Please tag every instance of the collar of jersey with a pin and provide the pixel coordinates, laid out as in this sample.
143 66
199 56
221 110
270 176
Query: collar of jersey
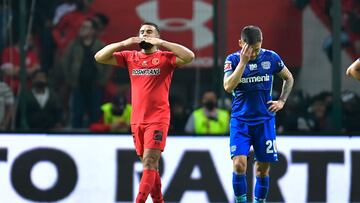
142 55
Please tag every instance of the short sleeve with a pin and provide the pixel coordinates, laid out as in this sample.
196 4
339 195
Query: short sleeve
173 61
171 57
279 64
228 64
121 58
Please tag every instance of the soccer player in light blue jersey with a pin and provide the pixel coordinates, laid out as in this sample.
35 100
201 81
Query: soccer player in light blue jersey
249 77
354 70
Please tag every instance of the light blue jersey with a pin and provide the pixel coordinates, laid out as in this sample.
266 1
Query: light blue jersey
251 95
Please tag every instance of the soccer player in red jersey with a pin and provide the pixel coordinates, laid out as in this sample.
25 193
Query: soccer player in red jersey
150 72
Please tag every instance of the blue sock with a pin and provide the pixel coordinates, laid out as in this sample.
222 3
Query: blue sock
240 187
261 189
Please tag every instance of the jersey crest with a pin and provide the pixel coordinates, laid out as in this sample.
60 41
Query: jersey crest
266 65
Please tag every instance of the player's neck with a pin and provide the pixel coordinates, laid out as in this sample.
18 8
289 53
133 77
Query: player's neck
149 51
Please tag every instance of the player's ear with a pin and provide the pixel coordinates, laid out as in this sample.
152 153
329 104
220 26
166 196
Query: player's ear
241 43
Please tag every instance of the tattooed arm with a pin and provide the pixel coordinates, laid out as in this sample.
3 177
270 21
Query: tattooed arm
288 83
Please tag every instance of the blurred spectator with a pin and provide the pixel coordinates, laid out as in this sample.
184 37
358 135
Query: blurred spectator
6 105
115 117
351 112
294 119
85 78
327 97
178 115
43 109
64 7
350 34
328 43
11 63
351 10
42 27
118 83
208 119
319 116
102 21
350 21
301 4
5 19
68 27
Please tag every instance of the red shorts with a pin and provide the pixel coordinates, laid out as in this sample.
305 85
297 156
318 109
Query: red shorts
149 136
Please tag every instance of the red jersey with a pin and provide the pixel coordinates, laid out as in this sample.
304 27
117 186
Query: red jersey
11 55
150 76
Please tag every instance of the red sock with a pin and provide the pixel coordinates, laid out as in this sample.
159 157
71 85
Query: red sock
155 192
146 184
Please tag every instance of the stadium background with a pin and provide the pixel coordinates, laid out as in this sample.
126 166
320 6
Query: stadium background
316 165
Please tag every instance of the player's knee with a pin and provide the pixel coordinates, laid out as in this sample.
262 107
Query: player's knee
150 162
239 167
262 169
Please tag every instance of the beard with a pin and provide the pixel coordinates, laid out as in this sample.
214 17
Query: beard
145 45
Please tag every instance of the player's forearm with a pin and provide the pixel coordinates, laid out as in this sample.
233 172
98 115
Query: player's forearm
106 53
231 81
355 74
180 51
286 88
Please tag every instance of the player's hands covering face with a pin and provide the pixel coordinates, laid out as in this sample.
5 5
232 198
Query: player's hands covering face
245 53
275 106
132 40
153 40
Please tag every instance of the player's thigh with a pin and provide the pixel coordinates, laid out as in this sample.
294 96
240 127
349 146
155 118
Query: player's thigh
240 140
155 136
264 141
138 138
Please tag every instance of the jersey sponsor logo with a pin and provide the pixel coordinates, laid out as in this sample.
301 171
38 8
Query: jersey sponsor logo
253 66
158 135
266 65
153 71
263 78
227 66
202 13
155 61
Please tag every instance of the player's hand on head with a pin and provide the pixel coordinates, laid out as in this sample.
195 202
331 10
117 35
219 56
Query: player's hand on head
245 53
275 106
